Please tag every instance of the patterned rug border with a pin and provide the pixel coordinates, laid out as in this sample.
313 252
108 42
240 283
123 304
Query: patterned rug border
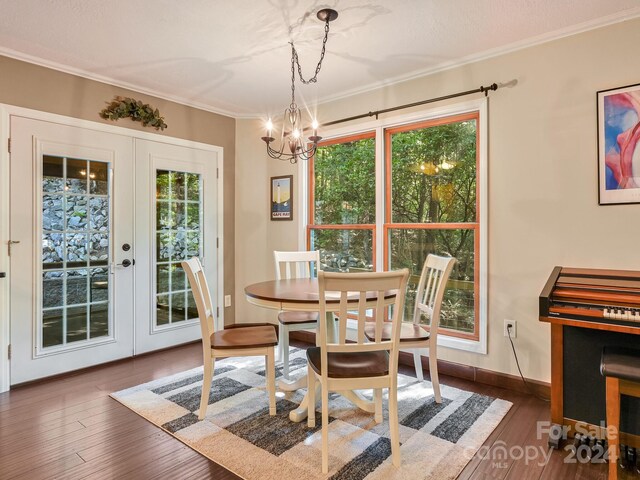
173 435
179 382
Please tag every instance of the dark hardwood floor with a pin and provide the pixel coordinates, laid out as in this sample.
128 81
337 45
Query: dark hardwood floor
69 428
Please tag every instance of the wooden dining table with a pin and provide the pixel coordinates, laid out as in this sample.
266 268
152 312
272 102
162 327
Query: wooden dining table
301 294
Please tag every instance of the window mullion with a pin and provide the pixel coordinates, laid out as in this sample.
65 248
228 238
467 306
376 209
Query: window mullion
381 241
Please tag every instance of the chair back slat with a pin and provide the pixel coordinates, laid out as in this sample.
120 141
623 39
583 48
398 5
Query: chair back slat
362 312
359 292
200 289
433 282
342 314
296 264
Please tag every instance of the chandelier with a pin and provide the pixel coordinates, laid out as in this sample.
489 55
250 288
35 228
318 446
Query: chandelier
292 129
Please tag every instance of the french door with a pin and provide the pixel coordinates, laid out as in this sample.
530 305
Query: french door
176 218
99 223
71 292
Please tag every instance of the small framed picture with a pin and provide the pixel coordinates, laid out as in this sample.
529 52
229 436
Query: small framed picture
619 145
282 198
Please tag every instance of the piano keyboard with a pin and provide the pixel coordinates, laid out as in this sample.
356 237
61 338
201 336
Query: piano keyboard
603 296
619 314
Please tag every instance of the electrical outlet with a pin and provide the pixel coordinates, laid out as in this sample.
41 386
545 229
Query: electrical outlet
227 300
513 325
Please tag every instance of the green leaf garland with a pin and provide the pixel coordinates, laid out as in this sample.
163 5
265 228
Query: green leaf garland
140 112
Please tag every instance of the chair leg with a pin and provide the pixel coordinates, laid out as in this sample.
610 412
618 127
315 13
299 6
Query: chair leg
433 373
377 398
613 424
311 398
271 380
325 428
394 427
417 361
209 366
284 342
281 334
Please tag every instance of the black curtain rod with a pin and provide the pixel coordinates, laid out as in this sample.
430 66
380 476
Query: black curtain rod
485 90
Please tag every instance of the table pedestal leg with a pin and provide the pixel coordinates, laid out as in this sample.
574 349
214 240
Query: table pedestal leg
292 385
358 400
300 413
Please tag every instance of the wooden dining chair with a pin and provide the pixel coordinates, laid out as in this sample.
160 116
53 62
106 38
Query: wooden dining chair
240 341
294 265
423 339
339 365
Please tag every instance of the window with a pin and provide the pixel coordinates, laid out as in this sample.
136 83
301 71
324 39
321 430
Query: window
431 207
428 197
342 206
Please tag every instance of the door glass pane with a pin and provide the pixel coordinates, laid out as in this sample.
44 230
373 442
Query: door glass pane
178 237
409 249
75 236
344 250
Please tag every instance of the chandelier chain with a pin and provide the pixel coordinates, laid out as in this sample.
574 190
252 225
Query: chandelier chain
293 138
294 57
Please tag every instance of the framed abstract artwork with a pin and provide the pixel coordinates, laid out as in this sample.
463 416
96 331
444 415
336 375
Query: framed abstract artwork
282 198
619 145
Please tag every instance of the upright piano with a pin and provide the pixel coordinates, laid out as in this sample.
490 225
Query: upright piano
589 309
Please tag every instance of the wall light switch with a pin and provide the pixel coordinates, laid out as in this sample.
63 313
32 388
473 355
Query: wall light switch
227 300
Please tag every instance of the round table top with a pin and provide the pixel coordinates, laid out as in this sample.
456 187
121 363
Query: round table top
293 290
295 294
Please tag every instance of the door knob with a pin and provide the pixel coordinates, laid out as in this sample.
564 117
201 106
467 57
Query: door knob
125 263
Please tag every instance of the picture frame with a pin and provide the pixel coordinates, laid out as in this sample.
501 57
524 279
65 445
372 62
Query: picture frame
281 203
619 145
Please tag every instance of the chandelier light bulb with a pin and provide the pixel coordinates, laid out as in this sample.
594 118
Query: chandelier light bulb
296 134
269 126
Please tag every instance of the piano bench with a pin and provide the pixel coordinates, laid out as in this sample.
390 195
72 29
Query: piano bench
621 368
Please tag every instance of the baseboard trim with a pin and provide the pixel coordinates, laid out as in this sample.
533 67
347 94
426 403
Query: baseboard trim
458 370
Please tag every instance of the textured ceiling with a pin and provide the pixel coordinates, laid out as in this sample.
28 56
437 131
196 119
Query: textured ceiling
233 57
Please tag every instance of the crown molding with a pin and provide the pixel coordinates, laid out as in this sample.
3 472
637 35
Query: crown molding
487 54
495 52
7 52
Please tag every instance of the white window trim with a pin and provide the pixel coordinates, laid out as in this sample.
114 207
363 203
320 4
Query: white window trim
6 111
479 105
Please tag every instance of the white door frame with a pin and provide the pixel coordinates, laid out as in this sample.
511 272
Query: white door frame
6 111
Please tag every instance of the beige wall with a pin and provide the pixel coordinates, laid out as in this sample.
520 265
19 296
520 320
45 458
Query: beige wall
31 86
543 204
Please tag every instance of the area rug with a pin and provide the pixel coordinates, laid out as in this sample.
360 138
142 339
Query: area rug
438 440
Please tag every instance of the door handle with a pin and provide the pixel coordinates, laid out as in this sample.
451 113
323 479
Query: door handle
9 243
125 263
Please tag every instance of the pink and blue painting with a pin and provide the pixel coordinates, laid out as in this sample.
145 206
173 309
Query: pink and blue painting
619 145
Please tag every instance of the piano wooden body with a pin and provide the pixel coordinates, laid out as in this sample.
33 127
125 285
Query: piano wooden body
589 309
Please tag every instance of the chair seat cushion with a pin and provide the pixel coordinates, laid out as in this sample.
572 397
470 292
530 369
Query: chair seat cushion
350 364
621 362
409 332
292 318
244 337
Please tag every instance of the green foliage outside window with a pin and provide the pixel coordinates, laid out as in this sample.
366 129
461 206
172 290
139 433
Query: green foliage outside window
433 173
434 182
345 183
